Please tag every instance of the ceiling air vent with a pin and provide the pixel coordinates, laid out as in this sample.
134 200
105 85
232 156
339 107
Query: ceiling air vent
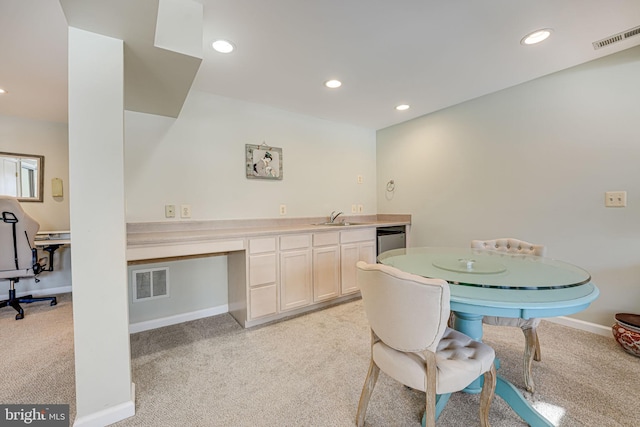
616 38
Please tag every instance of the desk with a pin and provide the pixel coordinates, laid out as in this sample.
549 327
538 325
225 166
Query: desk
50 241
499 284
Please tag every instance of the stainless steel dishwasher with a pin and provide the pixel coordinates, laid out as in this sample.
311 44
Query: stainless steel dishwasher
391 238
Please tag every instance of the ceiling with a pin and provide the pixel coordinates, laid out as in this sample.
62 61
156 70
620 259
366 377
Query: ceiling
430 54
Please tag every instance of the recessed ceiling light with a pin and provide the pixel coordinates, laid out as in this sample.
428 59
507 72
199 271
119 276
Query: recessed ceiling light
223 46
333 84
402 107
536 36
2 91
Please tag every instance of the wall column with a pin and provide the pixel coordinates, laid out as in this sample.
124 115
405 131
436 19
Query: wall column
104 391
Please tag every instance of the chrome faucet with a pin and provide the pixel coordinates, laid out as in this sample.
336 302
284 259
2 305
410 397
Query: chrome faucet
333 216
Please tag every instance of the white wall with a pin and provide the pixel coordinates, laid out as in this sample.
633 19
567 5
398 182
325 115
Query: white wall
48 139
532 162
198 284
199 159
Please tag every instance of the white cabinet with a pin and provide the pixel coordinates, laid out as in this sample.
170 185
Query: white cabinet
288 274
326 266
355 245
262 278
295 271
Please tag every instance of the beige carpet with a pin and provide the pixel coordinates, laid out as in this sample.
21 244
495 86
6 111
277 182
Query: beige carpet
37 354
308 371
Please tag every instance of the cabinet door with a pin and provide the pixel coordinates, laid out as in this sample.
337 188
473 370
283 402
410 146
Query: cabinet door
351 254
295 279
326 273
367 252
349 257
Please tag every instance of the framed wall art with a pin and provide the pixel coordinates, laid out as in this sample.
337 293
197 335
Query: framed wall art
263 162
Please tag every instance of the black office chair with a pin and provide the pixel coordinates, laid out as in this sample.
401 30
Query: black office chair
18 255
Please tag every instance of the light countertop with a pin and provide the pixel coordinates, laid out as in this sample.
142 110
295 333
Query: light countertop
176 232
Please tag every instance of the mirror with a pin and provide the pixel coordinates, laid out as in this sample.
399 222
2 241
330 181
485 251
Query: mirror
22 176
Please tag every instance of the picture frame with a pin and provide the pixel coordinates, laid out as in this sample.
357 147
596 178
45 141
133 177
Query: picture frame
263 162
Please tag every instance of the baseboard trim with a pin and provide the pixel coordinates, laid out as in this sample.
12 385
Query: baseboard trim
581 325
40 292
110 415
178 318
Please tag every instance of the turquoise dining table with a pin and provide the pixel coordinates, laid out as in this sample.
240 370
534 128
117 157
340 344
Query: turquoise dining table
491 283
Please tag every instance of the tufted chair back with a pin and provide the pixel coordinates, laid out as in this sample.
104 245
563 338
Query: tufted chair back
407 312
510 245
528 326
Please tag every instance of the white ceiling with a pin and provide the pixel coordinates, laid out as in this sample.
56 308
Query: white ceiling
428 53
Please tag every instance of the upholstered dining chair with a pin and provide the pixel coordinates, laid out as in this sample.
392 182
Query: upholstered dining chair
410 340
528 326
18 256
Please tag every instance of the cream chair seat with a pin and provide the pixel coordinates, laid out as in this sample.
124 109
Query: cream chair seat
410 340
528 326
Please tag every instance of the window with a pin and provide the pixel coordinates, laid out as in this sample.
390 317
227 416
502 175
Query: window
21 176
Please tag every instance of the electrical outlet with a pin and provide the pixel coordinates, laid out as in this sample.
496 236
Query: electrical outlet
354 209
283 209
360 208
169 211
185 211
615 199
360 179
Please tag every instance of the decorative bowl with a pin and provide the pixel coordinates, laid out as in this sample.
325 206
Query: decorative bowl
628 338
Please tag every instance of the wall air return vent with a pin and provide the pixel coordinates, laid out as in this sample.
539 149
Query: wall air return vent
150 284
616 38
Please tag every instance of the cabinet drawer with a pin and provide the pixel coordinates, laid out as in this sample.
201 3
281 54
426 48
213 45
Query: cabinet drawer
297 241
358 235
258 246
326 239
263 301
262 269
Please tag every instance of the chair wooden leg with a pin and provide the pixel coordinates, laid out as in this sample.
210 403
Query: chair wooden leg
452 319
367 389
486 396
538 355
431 370
531 340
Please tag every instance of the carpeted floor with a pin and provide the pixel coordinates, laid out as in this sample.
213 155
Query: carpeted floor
37 354
308 371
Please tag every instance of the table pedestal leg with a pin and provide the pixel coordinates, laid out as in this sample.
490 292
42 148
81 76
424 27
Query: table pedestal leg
441 402
510 394
471 325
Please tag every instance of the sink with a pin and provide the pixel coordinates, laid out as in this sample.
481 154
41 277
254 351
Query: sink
341 224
